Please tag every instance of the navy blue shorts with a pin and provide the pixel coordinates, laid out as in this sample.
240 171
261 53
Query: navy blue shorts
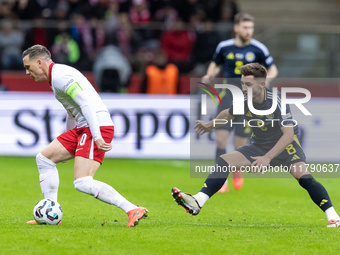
292 154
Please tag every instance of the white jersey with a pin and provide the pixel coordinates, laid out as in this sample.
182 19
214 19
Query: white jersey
79 98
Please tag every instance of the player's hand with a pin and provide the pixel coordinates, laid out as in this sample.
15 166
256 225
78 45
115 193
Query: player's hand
206 79
102 145
202 127
261 162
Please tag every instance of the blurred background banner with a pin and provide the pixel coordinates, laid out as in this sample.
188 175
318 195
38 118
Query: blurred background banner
142 51
145 126
158 126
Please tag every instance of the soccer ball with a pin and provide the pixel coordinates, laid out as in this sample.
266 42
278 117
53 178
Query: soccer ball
47 212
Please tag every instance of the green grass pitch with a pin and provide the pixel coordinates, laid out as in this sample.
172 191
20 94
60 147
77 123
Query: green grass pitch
267 216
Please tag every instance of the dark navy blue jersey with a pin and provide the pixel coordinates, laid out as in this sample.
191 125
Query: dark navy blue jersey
233 57
267 128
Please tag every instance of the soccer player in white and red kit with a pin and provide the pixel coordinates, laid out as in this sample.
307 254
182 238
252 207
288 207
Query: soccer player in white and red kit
89 133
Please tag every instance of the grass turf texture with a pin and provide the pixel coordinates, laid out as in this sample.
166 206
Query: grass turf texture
267 216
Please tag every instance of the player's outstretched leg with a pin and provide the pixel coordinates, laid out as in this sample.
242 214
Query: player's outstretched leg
221 143
317 193
215 180
108 194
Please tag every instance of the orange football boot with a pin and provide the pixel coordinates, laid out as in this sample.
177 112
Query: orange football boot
135 215
237 179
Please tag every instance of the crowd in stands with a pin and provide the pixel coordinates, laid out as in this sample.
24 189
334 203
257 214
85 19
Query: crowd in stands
77 31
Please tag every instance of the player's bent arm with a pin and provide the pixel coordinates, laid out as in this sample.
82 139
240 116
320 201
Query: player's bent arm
90 115
283 142
88 112
92 120
221 119
223 115
272 72
213 70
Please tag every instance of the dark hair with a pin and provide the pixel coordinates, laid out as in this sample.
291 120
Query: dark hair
254 69
242 16
37 50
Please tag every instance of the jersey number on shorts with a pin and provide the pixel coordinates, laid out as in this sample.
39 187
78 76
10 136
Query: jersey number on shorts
290 149
82 139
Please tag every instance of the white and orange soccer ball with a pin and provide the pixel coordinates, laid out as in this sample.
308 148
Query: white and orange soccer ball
47 212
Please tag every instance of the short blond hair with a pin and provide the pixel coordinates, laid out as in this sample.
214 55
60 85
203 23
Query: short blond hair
37 50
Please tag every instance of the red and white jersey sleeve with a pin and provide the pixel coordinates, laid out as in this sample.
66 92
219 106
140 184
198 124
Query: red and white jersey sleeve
79 98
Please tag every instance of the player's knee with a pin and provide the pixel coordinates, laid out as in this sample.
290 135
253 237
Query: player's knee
44 164
226 159
85 185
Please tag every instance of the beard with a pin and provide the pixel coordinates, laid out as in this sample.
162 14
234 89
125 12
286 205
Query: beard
245 38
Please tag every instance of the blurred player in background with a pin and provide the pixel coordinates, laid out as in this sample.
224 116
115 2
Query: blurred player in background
89 133
229 56
271 145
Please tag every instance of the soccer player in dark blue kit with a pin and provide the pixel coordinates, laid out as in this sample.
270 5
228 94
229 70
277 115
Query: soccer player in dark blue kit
273 143
229 56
